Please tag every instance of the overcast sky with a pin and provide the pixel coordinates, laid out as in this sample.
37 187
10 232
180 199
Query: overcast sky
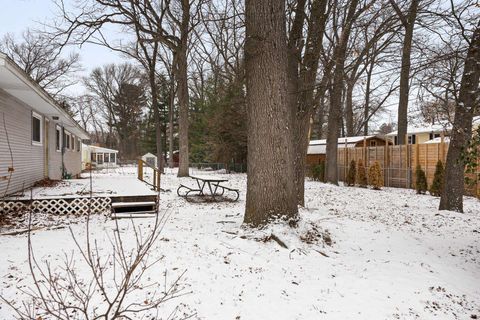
18 15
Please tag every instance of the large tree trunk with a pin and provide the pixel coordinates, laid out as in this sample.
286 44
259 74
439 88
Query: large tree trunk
349 107
409 23
454 188
270 176
366 111
171 110
304 98
182 91
335 110
156 114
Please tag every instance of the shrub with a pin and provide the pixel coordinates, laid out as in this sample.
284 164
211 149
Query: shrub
437 184
361 175
352 172
318 172
375 176
420 181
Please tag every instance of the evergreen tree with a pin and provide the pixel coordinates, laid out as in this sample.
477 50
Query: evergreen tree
361 175
375 176
352 172
437 184
420 181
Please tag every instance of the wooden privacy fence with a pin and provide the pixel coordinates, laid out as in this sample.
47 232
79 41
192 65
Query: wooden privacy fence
399 163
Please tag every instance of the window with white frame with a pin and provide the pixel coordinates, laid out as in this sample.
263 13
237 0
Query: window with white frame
67 140
72 144
78 145
36 129
58 138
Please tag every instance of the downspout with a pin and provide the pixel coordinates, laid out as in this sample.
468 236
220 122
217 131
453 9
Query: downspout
63 152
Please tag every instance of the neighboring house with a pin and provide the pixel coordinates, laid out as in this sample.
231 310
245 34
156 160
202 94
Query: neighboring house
421 134
317 149
98 157
150 159
38 138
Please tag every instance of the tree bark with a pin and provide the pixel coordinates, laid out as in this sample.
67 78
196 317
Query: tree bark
366 111
270 176
454 184
182 91
409 24
171 111
304 97
335 110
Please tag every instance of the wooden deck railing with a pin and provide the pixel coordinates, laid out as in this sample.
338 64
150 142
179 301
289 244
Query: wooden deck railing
156 174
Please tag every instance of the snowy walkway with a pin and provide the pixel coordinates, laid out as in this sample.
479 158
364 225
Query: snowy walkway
393 256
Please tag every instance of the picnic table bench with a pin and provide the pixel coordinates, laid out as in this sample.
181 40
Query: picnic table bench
214 188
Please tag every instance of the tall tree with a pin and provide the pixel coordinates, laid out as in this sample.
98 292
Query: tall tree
408 22
335 109
270 175
466 106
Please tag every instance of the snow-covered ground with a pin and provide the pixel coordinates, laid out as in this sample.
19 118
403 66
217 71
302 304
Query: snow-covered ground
356 254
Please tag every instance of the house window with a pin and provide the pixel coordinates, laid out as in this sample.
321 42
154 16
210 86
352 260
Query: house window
78 145
58 138
373 143
106 157
412 139
67 140
395 142
112 157
36 128
72 145
93 157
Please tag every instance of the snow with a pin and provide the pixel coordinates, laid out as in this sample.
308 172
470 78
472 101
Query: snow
438 140
415 129
112 182
392 256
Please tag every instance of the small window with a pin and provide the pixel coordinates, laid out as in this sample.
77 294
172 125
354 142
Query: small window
93 157
412 139
79 142
58 138
36 128
395 140
67 140
72 144
373 143
106 157
112 157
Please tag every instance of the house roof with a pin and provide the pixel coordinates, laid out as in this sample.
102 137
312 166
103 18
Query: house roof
148 154
97 149
416 129
438 140
18 84
320 146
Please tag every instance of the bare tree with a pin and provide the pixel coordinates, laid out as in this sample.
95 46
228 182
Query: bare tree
408 21
270 178
40 58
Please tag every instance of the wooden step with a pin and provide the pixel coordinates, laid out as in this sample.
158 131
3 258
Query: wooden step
134 215
133 204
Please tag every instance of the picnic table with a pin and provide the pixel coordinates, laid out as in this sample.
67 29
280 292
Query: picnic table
207 186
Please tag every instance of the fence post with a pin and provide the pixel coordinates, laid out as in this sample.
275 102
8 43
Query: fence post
140 169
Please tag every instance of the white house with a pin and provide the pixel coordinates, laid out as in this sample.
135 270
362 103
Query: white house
38 138
98 157
422 133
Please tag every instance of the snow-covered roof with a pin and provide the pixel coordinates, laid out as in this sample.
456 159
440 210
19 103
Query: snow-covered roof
416 129
320 146
149 155
97 149
438 140
344 139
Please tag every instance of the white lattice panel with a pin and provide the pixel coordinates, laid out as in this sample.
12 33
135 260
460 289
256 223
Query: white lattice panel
77 206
